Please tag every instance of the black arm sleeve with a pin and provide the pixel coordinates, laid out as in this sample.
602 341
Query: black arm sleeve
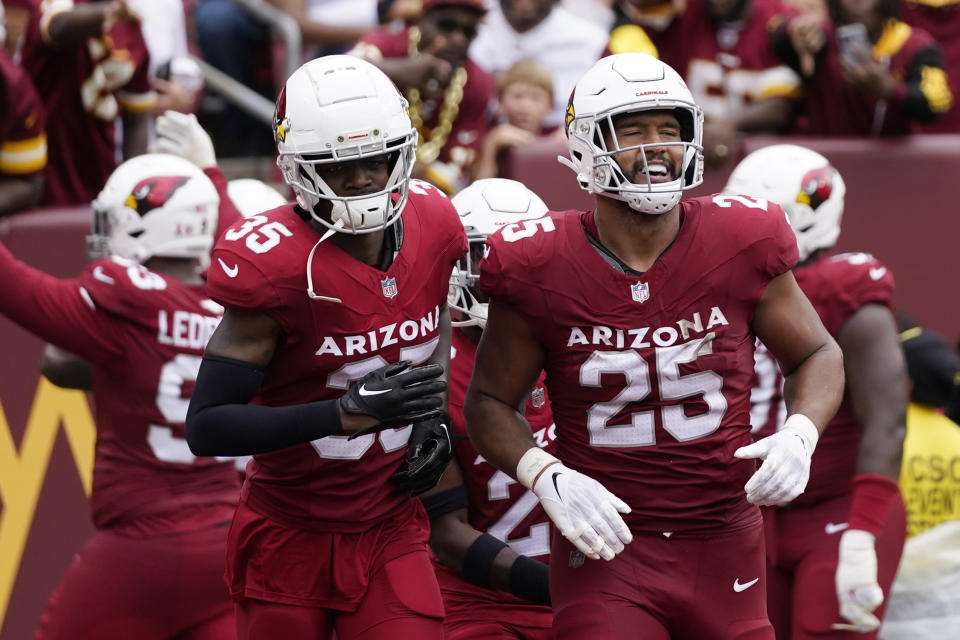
220 422
446 501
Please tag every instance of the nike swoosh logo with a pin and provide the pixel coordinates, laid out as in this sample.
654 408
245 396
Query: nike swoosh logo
877 272
832 528
98 274
743 587
554 478
370 392
231 272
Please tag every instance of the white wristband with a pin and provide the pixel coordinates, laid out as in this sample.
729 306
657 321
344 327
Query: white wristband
533 461
805 427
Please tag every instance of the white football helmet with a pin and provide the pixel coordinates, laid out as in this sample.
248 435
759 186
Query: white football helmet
155 204
337 109
626 83
252 196
484 207
801 181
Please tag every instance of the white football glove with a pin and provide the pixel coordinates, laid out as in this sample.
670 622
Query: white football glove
857 590
181 134
786 462
582 509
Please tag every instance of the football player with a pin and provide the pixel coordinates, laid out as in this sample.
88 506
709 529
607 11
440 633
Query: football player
329 303
154 567
490 535
178 134
834 550
644 314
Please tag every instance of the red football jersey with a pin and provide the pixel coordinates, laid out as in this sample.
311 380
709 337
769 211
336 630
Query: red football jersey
144 333
650 376
500 505
260 264
837 286
86 85
23 143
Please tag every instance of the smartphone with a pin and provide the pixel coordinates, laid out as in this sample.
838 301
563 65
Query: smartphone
853 43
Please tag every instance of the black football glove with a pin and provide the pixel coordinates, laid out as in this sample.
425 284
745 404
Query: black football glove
428 452
395 395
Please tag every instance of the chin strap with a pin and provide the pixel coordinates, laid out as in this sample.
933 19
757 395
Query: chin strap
313 296
567 162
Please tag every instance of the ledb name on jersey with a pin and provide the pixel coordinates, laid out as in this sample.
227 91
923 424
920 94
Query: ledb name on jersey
187 330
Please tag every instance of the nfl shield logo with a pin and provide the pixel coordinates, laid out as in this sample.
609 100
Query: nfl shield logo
640 291
576 559
537 398
389 287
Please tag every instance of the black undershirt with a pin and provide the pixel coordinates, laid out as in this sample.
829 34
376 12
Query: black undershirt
613 260
608 256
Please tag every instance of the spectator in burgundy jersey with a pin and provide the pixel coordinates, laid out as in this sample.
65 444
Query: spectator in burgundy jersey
89 63
491 539
451 98
941 20
329 302
643 312
526 98
722 50
23 141
823 584
880 84
154 567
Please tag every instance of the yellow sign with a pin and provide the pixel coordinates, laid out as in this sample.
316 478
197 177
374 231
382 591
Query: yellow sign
930 475
22 472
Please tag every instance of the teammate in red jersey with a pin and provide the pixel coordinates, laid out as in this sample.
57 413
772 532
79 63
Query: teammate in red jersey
643 314
89 63
347 286
154 567
490 536
834 550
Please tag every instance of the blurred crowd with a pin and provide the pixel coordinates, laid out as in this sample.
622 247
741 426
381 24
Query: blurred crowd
83 81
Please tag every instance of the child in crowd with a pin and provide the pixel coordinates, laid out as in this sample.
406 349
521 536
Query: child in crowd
526 98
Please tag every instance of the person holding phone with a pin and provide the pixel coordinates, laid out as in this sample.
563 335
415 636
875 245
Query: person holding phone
865 72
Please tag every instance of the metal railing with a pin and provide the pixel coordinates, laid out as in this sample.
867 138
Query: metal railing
282 26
